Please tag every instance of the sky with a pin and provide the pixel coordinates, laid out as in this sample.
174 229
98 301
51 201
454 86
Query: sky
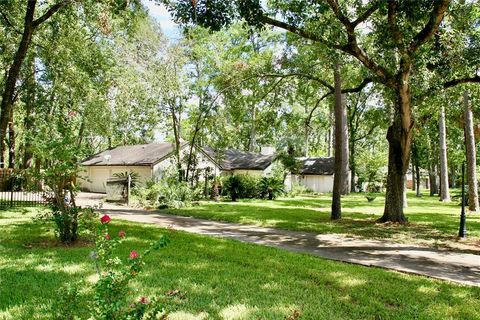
161 15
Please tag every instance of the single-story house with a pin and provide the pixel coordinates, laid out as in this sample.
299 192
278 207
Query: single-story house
150 161
233 161
315 174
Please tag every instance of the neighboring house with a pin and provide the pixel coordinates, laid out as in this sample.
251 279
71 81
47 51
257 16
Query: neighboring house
315 174
150 161
232 161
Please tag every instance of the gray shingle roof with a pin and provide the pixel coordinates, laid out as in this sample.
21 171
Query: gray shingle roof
322 166
232 159
134 155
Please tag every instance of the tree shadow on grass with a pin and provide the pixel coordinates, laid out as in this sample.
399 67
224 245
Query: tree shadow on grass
220 277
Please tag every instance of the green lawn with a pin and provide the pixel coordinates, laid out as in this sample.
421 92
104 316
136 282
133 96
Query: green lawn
221 279
431 222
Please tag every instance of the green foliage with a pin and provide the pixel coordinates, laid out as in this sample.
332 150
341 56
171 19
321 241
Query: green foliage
168 192
371 169
271 187
66 306
245 186
112 293
241 186
134 177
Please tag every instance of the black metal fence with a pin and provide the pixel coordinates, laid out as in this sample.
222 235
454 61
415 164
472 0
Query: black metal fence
17 188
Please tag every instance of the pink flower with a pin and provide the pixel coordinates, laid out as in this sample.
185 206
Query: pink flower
133 254
144 300
105 219
107 236
121 234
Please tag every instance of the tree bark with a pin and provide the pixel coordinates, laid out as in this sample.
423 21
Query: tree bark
177 137
432 177
444 194
419 179
331 133
13 73
29 121
413 175
353 166
341 147
11 142
471 156
399 136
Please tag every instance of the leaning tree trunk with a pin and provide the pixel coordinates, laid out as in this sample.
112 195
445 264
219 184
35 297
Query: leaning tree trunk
399 136
13 73
340 178
471 156
29 120
444 194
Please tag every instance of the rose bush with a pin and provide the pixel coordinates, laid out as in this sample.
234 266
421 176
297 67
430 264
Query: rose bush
112 292
112 295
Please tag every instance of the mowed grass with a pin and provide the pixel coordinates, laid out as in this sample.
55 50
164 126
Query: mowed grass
220 279
431 222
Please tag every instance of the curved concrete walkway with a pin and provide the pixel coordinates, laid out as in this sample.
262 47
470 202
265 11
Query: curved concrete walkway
462 268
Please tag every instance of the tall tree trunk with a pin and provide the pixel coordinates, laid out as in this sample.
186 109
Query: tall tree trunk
306 142
432 176
471 156
341 147
399 136
345 144
413 174
177 137
419 180
29 120
453 177
13 73
331 134
11 142
445 194
353 166
252 141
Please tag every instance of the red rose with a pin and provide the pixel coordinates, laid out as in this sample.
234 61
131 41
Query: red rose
133 254
107 236
144 300
121 234
105 219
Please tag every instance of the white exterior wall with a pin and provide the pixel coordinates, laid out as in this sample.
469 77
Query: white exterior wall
316 183
254 173
169 164
94 178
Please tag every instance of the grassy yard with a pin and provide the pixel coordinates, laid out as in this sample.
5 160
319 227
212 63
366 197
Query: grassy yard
431 222
221 279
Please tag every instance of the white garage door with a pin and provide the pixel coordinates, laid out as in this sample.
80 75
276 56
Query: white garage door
98 178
